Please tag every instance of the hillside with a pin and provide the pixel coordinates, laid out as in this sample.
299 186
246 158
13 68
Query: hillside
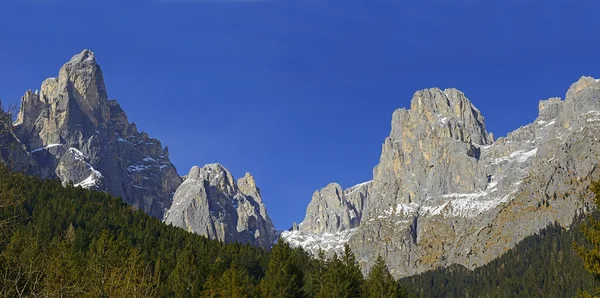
71 242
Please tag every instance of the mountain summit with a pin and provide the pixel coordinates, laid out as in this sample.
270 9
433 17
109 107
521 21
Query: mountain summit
211 203
444 192
70 130
76 134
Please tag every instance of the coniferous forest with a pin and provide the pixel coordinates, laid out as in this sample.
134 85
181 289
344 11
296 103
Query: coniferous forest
70 242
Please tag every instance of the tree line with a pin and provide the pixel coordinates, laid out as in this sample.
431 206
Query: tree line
60 241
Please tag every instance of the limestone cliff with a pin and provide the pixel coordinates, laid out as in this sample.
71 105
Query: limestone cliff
211 203
75 133
444 192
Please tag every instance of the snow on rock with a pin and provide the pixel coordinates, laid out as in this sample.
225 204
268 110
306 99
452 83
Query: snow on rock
312 242
93 180
519 156
45 147
356 187
137 168
89 182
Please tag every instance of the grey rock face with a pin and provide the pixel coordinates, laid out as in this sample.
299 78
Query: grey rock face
333 210
446 193
76 134
13 153
210 202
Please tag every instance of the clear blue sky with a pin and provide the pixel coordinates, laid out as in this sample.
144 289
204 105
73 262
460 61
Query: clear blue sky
300 93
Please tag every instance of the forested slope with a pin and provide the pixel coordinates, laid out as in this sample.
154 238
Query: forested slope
542 265
68 241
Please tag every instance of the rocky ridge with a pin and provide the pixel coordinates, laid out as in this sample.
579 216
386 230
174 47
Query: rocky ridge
211 203
75 133
70 130
446 193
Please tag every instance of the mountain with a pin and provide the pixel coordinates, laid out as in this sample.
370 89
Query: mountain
70 130
75 133
445 192
12 152
210 202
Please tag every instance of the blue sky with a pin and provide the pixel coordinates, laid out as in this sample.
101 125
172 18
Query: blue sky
300 93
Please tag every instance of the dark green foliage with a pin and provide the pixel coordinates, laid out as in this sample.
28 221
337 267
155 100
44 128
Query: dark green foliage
283 278
74 242
67 241
542 265
313 281
590 253
71 242
380 283
342 277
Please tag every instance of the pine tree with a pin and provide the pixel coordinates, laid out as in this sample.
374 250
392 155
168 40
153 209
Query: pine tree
62 277
184 280
380 283
314 279
235 283
211 288
283 278
591 254
352 272
343 277
104 257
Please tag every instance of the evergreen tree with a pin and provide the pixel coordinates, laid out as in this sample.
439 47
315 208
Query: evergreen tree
104 257
211 288
591 254
352 272
313 281
342 278
184 279
380 283
283 278
62 278
235 283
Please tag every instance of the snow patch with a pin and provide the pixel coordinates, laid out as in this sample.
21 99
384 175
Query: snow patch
89 182
149 159
45 147
137 168
518 156
312 242
356 187
93 179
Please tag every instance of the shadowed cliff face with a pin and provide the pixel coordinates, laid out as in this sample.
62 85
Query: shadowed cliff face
70 130
76 134
211 203
445 192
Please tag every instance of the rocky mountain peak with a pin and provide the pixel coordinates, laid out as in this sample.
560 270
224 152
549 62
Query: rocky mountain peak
582 84
85 56
247 185
440 114
550 108
77 135
445 193
332 209
210 202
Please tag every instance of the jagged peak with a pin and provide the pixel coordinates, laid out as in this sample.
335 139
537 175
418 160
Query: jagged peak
583 83
449 103
84 56
449 109
549 108
248 180
332 189
247 185
214 173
